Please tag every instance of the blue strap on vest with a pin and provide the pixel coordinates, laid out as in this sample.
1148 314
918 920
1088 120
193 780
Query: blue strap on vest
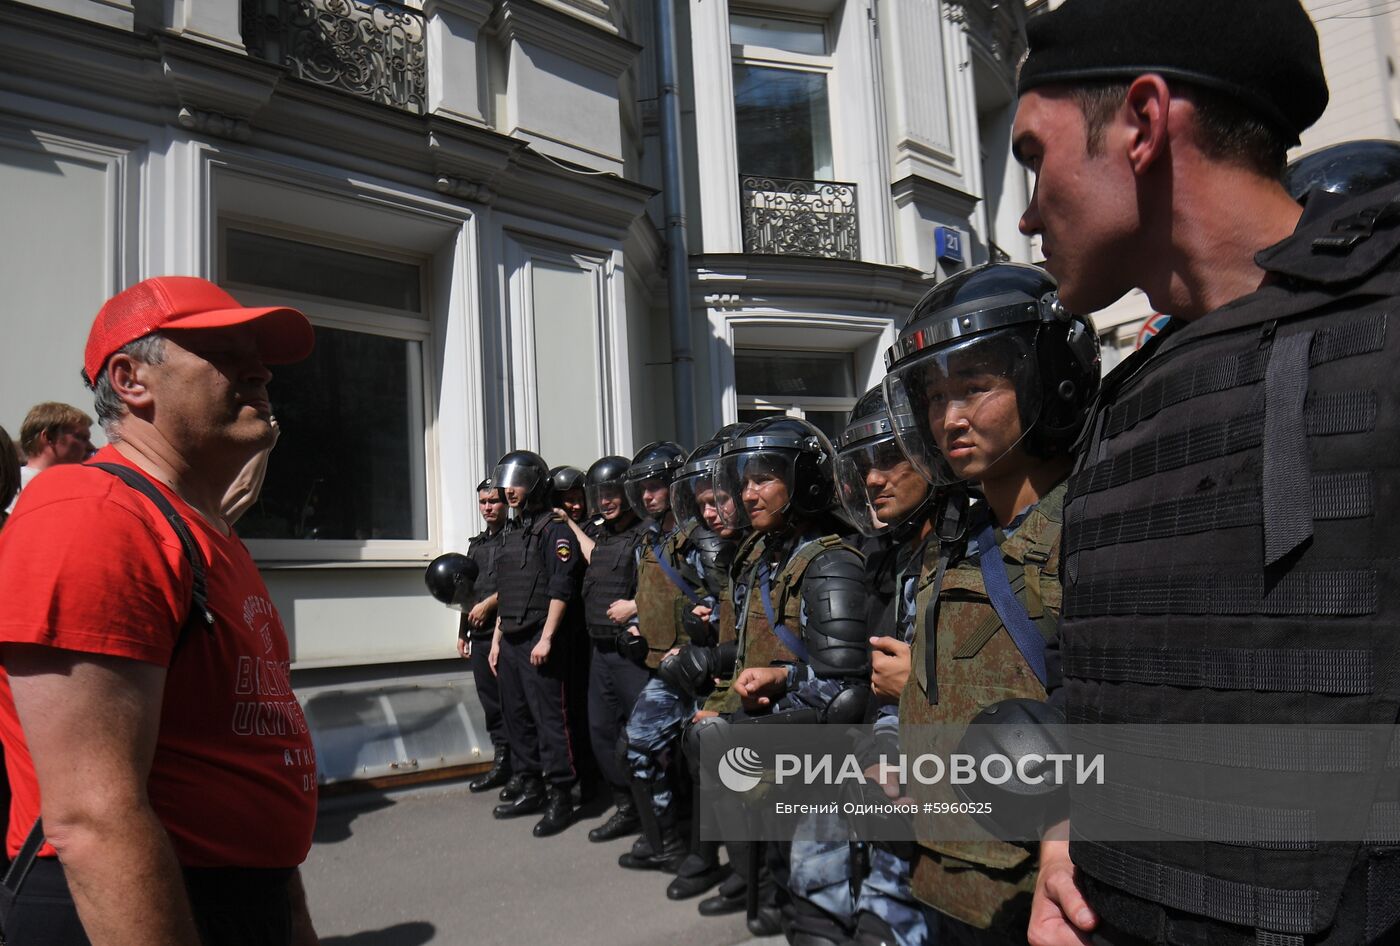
790 640
1029 641
681 584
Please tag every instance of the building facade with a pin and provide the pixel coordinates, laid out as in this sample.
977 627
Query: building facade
463 197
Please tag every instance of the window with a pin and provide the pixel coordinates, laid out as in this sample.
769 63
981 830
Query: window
814 385
349 471
781 114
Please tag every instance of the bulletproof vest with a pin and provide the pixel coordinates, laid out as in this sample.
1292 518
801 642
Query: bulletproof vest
758 645
610 576
522 579
484 549
983 883
882 574
1231 519
661 605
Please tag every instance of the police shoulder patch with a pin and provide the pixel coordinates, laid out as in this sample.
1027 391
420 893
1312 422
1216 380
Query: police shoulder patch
563 550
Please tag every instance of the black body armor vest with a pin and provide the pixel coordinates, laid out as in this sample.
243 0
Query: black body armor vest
522 581
611 575
1228 559
484 549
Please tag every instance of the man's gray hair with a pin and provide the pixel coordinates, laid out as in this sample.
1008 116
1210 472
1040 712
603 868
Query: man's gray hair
149 350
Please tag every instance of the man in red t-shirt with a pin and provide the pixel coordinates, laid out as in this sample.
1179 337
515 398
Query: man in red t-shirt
165 749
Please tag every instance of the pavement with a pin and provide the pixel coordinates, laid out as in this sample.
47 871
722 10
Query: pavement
431 866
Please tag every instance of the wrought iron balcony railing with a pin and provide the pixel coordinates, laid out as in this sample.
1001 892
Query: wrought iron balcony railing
374 50
786 217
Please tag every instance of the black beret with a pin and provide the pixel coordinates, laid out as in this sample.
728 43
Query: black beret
1263 53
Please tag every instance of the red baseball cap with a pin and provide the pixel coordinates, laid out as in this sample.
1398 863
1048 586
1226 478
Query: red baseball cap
183 302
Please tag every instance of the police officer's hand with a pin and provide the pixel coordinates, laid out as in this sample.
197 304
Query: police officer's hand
889 667
702 611
702 714
758 687
888 782
540 652
492 657
1060 916
622 611
477 616
560 515
464 648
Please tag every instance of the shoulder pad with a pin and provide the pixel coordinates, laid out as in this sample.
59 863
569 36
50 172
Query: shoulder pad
1351 241
840 562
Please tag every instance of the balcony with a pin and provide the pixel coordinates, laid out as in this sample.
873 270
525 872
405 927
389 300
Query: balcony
373 50
786 217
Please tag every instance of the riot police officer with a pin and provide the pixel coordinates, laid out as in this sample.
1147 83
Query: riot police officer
617 671
477 627
566 492
536 578
678 599
989 385
802 650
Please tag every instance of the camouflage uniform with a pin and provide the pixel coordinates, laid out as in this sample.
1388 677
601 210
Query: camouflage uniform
985 884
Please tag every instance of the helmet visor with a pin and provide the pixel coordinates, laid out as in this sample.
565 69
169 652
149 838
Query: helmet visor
959 411
754 488
517 476
608 500
878 485
651 497
694 498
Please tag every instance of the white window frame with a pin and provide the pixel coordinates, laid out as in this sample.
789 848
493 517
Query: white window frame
798 406
417 328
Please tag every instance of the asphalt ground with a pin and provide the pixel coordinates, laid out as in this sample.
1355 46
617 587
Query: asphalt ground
431 866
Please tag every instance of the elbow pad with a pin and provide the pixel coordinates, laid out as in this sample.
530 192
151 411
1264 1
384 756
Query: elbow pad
835 603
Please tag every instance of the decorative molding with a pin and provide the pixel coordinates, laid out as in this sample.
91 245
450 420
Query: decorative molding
219 92
466 190
213 123
584 42
921 190
473 11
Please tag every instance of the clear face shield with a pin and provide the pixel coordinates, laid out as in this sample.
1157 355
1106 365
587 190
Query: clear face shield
608 500
959 411
650 498
878 486
516 476
694 498
754 488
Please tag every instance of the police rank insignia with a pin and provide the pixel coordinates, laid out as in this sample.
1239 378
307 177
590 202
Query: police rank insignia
564 550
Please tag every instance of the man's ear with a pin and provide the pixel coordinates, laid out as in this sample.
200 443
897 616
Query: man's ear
128 379
1146 110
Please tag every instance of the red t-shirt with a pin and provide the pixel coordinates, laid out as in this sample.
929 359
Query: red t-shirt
89 564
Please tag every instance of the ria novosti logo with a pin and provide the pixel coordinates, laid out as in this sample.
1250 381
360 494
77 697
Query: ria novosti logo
740 769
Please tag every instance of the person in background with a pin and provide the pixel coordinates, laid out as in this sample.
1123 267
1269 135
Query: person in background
52 433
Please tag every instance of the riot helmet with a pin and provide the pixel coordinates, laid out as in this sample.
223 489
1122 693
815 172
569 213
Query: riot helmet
564 480
693 489
606 489
524 469
989 361
879 488
1352 167
774 469
649 478
451 579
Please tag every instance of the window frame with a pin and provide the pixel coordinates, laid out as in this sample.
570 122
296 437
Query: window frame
418 329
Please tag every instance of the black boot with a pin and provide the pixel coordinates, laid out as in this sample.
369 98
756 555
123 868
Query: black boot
496 776
558 812
530 800
730 898
660 847
514 785
701 868
622 823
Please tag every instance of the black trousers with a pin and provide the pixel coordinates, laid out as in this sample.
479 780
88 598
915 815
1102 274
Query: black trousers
232 907
535 706
488 690
614 683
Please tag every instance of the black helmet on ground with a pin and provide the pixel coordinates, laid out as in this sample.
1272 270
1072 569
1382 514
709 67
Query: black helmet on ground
525 469
650 476
1352 167
976 339
879 488
777 449
605 486
451 578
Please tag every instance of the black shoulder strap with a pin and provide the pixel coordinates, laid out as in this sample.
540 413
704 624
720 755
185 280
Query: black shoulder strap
199 597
